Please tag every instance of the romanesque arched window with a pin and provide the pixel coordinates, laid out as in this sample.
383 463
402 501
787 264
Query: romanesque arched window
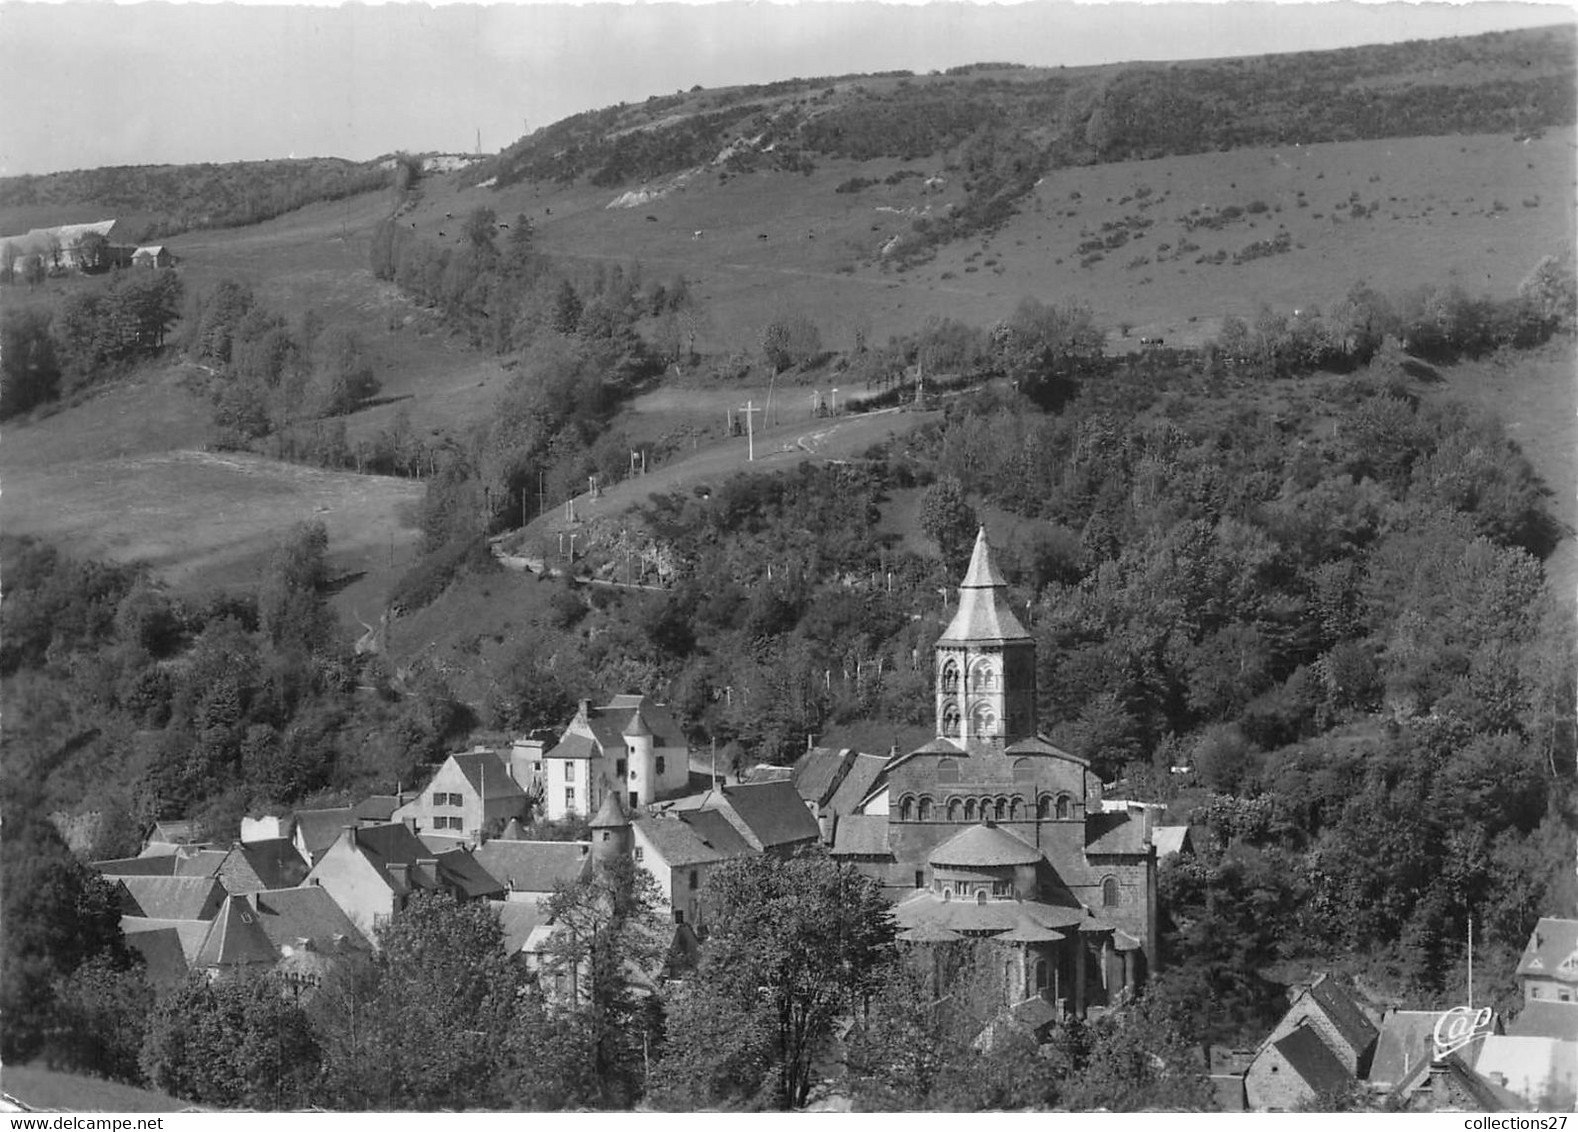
923 809
969 809
955 809
1065 807
907 808
1044 807
1111 895
1014 809
983 722
947 770
1001 809
1024 770
980 896
950 720
1042 975
950 676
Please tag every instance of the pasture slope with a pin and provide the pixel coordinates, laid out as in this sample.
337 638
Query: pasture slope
124 474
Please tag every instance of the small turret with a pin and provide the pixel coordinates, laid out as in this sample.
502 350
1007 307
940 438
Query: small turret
611 836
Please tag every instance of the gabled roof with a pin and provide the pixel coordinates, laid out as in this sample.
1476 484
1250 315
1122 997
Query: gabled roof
1114 832
171 898
1406 1039
574 745
235 938
865 771
292 915
817 772
983 846
772 813
459 870
1313 1061
861 835
164 958
696 837
378 807
319 829
1170 839
162 865
488 775
1356 1029
1542 1018
983 613
255 866
198 862
534 866
518 918
1461 1085
1552 951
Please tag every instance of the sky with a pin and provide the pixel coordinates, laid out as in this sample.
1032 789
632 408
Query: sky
93 84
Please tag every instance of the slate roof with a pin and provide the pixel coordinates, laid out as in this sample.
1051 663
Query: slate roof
1406 1038
461 871
273 863
1312 1060
574 745
861 835
983 615
1115 832
863 775
1542 1018
1471 1087
1552 950
518 918
291 915
925 909
235 939
1170 839
319 829
1036 745
815 773
1356 1029
484 768
983 846
534 866
164 959
378 807
773 813
611 814
684 840
1063 845
171 898
161 866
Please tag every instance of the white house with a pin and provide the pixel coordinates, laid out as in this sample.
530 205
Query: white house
630 746
469 792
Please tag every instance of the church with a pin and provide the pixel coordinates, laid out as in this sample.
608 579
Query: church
988 831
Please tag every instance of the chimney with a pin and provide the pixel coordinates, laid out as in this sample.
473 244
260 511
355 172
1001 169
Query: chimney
348 835
584 712
401 873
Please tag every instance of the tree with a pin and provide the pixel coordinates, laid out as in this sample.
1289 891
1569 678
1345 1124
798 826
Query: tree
791 341
29 372
92 251
291 607
950 522
1141 1058
607 945
100 1019
1042 348
793 944
342 373
235 1043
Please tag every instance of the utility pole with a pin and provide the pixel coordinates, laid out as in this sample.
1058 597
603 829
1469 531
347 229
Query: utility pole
750 428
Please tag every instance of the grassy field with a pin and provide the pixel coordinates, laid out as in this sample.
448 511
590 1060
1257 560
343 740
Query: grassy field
48 1090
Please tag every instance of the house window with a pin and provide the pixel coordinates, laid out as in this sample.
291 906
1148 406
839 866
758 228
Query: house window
1110 896
1064 807
950 719
694 878
1043 807
907 809
1024 770
980 896
638 853
920 878
924 809
969 809
619 768
1564 996
1013 809
660 764
569 796
947 770
568 773
679 916
955 809
607 834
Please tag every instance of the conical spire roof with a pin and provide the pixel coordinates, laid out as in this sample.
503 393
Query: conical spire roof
611 814
637 727
983 614
235 938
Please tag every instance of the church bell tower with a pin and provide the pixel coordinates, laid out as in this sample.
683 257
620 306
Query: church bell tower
986 662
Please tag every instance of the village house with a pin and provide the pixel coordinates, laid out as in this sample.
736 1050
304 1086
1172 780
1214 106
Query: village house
1548 968
1324 1043
531 870
372 871
631 746
470 794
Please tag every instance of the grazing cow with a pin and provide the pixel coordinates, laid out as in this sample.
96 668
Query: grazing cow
503 225
449 216
549 211
653 219
761 235
441 233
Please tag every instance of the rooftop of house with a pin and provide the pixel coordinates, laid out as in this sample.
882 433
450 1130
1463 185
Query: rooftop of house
235 939
534 866
1170 839
292 917
378 807
518 919
1313 1060
159 942
274 863
1406 1038
696 837
772 814
319 829
488 774
865 771
861 835
815 773
1117 833
170 897
1552 951
1351 1022
1542 1018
